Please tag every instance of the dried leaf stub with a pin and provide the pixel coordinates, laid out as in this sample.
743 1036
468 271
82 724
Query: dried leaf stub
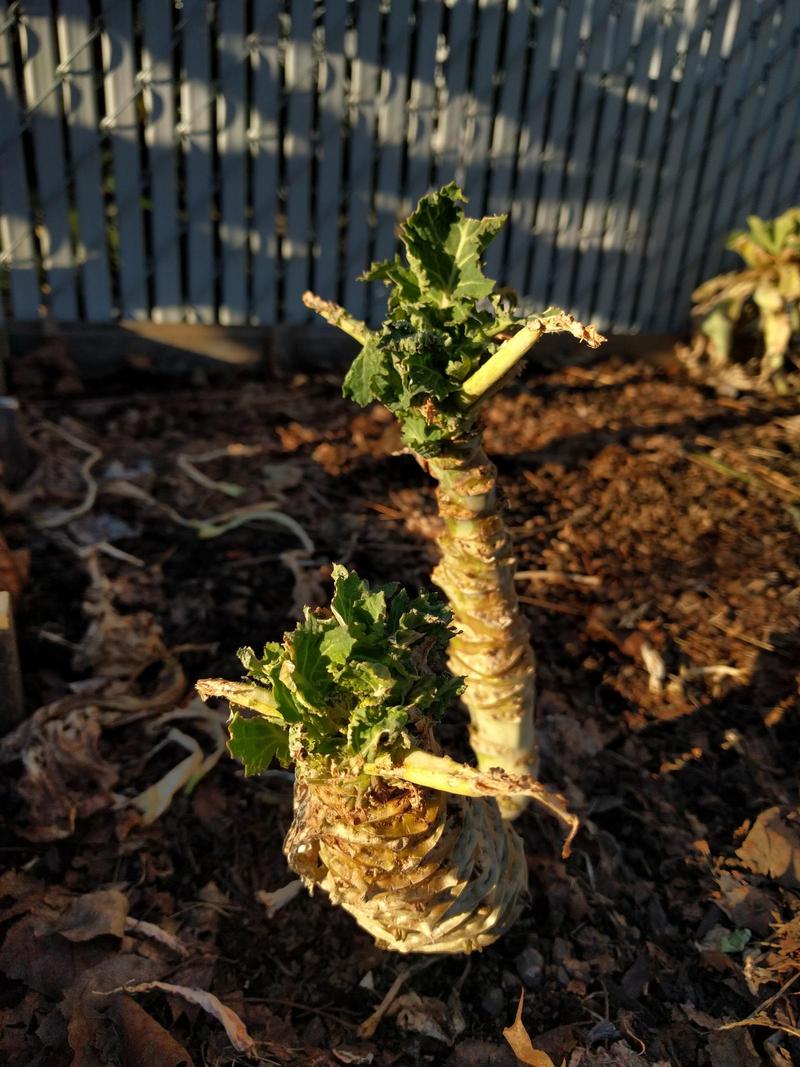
521 1045
234 1027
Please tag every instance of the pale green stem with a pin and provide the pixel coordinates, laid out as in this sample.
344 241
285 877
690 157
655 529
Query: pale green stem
497 366
511 351
337 316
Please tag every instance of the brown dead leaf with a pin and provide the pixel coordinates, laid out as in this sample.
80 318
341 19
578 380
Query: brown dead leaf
519 1040
744 904
772 848
48 964
144 1041
83 918
234 1027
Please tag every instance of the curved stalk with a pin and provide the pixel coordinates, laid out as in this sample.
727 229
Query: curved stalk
492 649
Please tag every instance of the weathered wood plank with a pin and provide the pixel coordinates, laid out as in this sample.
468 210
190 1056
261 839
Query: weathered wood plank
362 113
700 66
577 174
531 148
39 62
506 129
422 102
392 110
159 135
122 88
16 221
196 101
556 158
265 144
479 114
80 110
450 132
232 154
672 50
327 278
299 83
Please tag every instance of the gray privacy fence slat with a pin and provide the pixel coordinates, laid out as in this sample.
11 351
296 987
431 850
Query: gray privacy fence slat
80 111
159 136
39 60
264 144
197 100
121 82
16 221
206 162
232 155
298 151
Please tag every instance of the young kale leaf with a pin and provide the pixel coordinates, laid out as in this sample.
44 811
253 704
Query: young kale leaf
442 322
350 681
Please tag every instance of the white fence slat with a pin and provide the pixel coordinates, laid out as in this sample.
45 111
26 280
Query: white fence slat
741 185
392 111
422 102
555 157
265 141
121 120
39 64
698 61
707 137
363 93
505 132
740 78
479 111
596 212
648 41
450 132
196 100
578 163
297 146
232 152
781 172
766 152
80 110
674 45
159 135
331 95
531 149
16 232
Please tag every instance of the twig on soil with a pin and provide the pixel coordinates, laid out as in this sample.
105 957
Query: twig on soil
371 1024
61 518
187 463
216 525
759 1019
558 576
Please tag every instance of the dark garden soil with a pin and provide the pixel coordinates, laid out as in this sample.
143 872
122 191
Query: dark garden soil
658 534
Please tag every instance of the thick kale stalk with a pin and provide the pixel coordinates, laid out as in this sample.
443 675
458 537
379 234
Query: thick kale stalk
411 843
448 343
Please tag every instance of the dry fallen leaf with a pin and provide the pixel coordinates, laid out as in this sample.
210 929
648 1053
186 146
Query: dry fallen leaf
91 915
772 848
521 1045
234 1027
